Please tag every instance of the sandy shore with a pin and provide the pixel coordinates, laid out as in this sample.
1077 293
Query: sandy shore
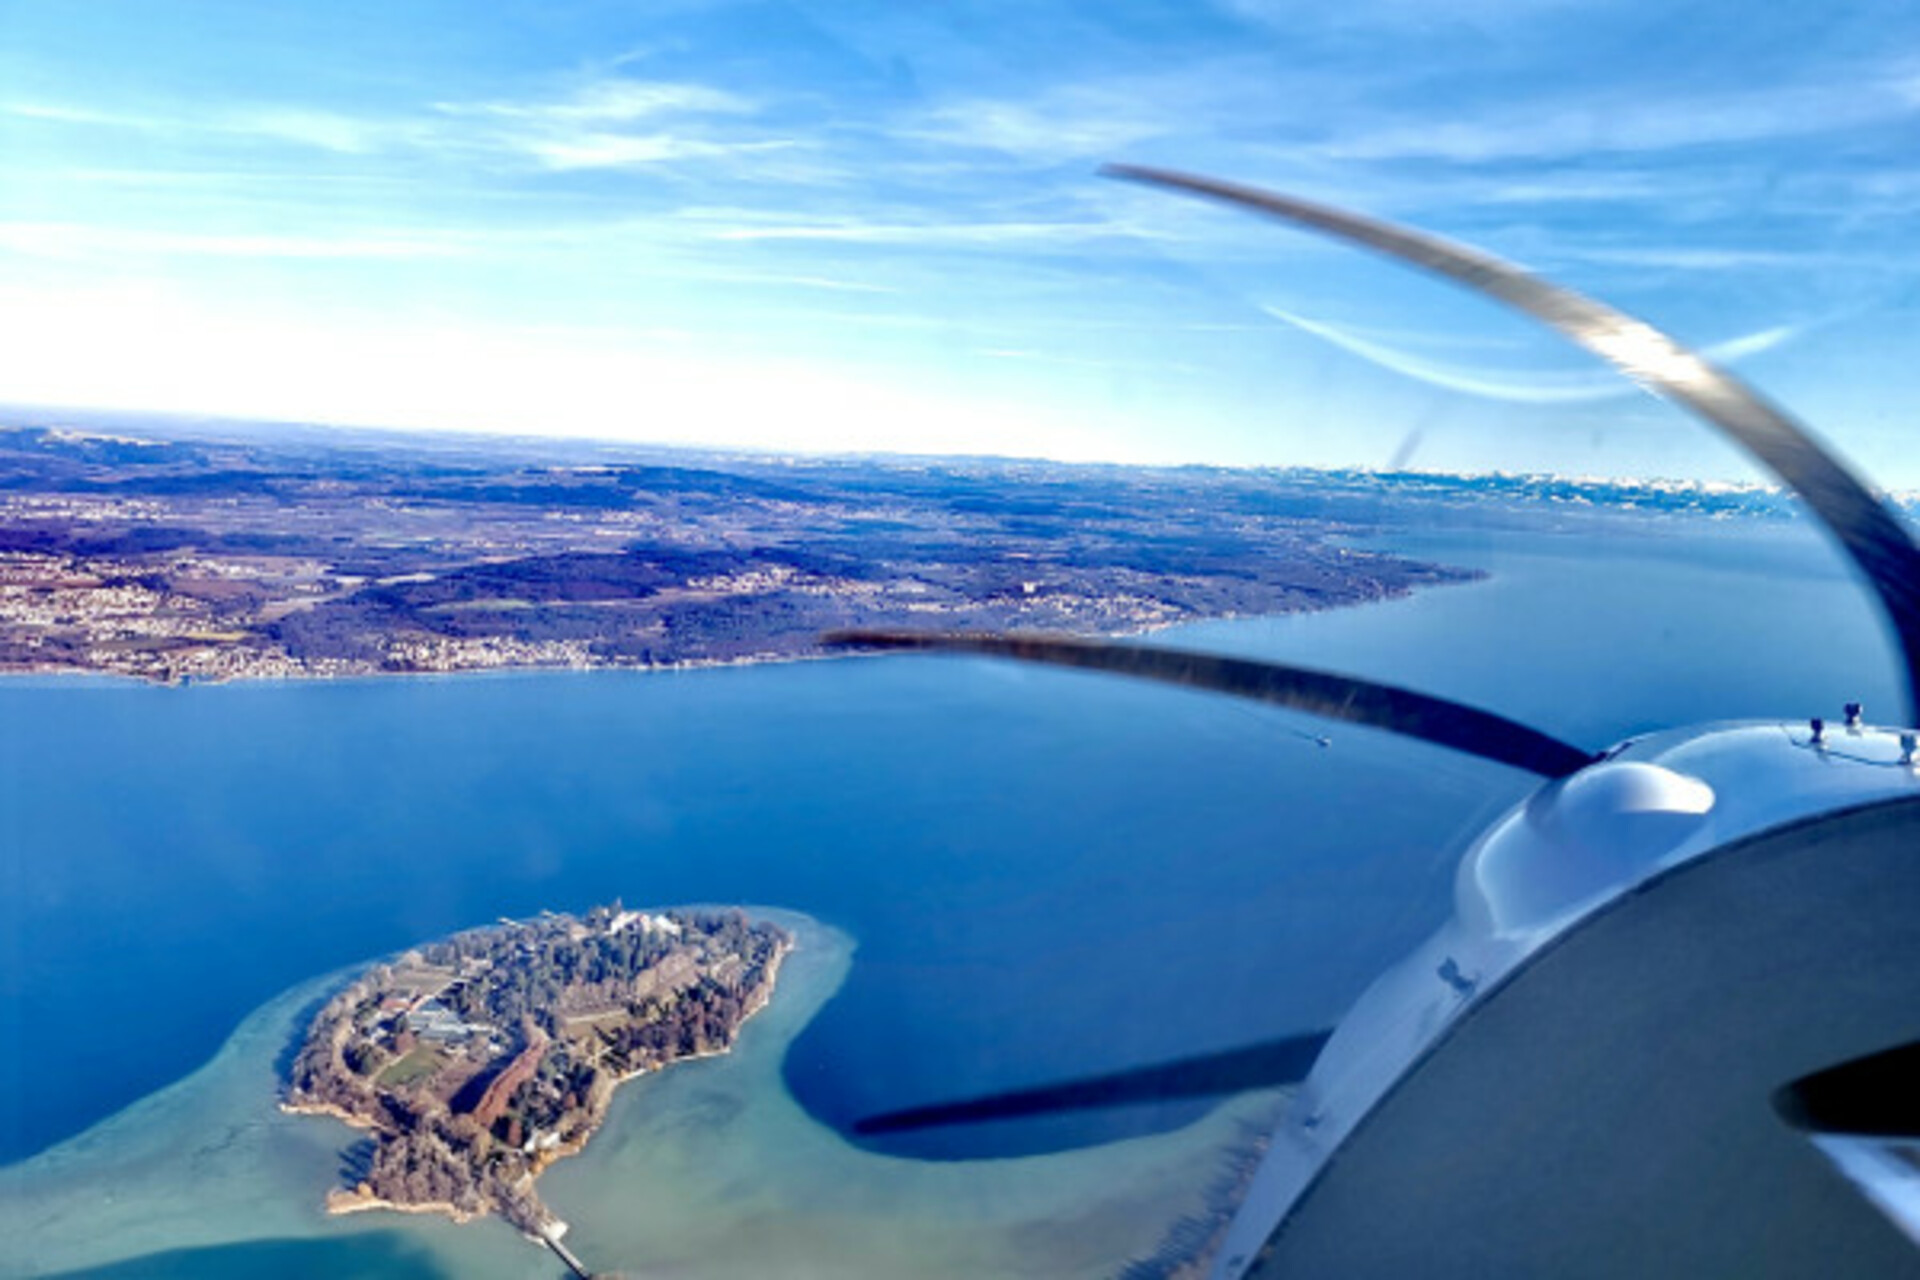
341 1202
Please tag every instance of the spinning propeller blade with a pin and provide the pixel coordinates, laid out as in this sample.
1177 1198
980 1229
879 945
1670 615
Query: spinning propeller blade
1337 697
1867 528
1871 532
1255 1066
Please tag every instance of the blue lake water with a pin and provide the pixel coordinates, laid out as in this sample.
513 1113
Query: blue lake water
1044 872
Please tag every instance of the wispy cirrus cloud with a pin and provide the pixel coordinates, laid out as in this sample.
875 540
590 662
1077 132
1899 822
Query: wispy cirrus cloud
625 124
1711 258
610 101
66 113
319 129
1582 187
927 234
1189 104
70 239
610 123
830 284
600 150
323 130
1083 121
1549 129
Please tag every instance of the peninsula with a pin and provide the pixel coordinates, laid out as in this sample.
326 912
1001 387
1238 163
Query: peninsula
475 1062
181 559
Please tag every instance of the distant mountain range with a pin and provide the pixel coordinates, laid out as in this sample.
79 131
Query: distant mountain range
105 427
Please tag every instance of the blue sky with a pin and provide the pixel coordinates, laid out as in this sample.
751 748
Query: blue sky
852 226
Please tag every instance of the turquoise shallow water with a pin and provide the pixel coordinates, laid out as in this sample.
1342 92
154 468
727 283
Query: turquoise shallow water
1043 872
709 1168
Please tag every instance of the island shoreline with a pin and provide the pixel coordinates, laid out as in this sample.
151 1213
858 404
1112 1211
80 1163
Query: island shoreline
395 1053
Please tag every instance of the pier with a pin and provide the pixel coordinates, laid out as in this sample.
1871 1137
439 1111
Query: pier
565 1254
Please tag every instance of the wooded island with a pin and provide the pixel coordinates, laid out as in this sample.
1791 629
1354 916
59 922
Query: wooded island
477 1061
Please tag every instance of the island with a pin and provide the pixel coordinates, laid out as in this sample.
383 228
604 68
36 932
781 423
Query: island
475 1062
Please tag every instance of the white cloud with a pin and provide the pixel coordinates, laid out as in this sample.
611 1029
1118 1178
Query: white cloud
599 150
577 130
323 130
1060 126
927 235
72 240
64 113
611 101
583 128
1547 130
308 127
830 284
1192 104
1578 188
1714 259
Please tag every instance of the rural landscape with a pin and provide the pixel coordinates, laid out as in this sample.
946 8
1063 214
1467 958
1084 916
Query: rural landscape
176 557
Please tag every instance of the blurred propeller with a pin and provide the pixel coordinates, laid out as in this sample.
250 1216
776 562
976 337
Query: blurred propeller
1254 1066
1871 532
1337 697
